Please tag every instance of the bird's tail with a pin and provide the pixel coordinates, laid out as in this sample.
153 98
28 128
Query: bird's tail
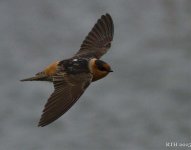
46 74
38 77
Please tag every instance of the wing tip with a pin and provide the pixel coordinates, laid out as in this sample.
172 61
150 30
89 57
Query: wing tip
42 123
107 15
107 19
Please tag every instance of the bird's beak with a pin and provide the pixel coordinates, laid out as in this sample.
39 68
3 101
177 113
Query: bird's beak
110 70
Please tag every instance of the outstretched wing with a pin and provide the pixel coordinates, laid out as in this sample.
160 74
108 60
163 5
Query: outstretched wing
68 89
98 41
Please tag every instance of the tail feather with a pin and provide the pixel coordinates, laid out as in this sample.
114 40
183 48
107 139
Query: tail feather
45 75
38 77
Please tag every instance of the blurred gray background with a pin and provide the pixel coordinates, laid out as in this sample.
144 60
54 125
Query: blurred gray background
143 104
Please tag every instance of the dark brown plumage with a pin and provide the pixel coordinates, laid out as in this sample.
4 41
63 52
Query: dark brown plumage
68 89
98 41
72 76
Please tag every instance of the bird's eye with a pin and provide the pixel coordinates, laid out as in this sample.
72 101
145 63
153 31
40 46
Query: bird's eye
102 66
104 69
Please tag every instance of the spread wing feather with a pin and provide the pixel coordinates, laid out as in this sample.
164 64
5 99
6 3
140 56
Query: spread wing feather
67 91
98 41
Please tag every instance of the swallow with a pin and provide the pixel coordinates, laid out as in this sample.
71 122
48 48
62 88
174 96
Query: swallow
72 76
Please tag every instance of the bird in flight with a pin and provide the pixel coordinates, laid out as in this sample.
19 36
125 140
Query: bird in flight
72 76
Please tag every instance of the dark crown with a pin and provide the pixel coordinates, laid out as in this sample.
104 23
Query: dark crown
103 66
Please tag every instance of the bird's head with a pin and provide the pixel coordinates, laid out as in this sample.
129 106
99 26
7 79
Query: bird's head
99 68
103 66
